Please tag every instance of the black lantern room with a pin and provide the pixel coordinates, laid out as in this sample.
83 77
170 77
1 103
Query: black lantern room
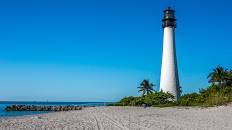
169 18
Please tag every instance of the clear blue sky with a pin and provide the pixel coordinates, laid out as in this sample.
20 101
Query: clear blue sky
100 50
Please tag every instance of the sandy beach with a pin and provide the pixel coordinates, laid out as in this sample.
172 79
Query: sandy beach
126 118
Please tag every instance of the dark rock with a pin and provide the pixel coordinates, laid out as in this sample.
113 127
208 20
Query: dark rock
41 108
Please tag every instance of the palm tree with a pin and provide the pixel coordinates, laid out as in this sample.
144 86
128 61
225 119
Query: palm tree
218 76
146 87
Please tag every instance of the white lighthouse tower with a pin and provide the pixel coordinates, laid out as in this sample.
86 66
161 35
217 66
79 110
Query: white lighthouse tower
169 81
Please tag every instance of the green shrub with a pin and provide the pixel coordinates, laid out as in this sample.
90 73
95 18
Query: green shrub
213 95
221 96
158 98
166 105
138 101
191 99
127 101
216 100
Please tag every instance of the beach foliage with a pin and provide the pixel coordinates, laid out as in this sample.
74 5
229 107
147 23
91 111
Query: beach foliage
219 92
158 98
192 99
153 99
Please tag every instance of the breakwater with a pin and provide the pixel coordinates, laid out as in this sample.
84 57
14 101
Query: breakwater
41 108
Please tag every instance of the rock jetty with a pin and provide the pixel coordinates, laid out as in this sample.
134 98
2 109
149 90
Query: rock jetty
41 108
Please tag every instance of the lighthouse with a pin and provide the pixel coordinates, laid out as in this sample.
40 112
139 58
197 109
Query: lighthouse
169 81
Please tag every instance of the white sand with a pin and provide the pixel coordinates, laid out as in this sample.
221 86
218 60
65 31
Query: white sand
126 118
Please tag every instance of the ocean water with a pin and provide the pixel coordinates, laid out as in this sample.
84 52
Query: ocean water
4 113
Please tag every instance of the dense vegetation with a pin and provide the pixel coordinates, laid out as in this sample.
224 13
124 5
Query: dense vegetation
219 92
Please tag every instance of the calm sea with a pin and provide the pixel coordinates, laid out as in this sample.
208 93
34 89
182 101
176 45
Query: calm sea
4 113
